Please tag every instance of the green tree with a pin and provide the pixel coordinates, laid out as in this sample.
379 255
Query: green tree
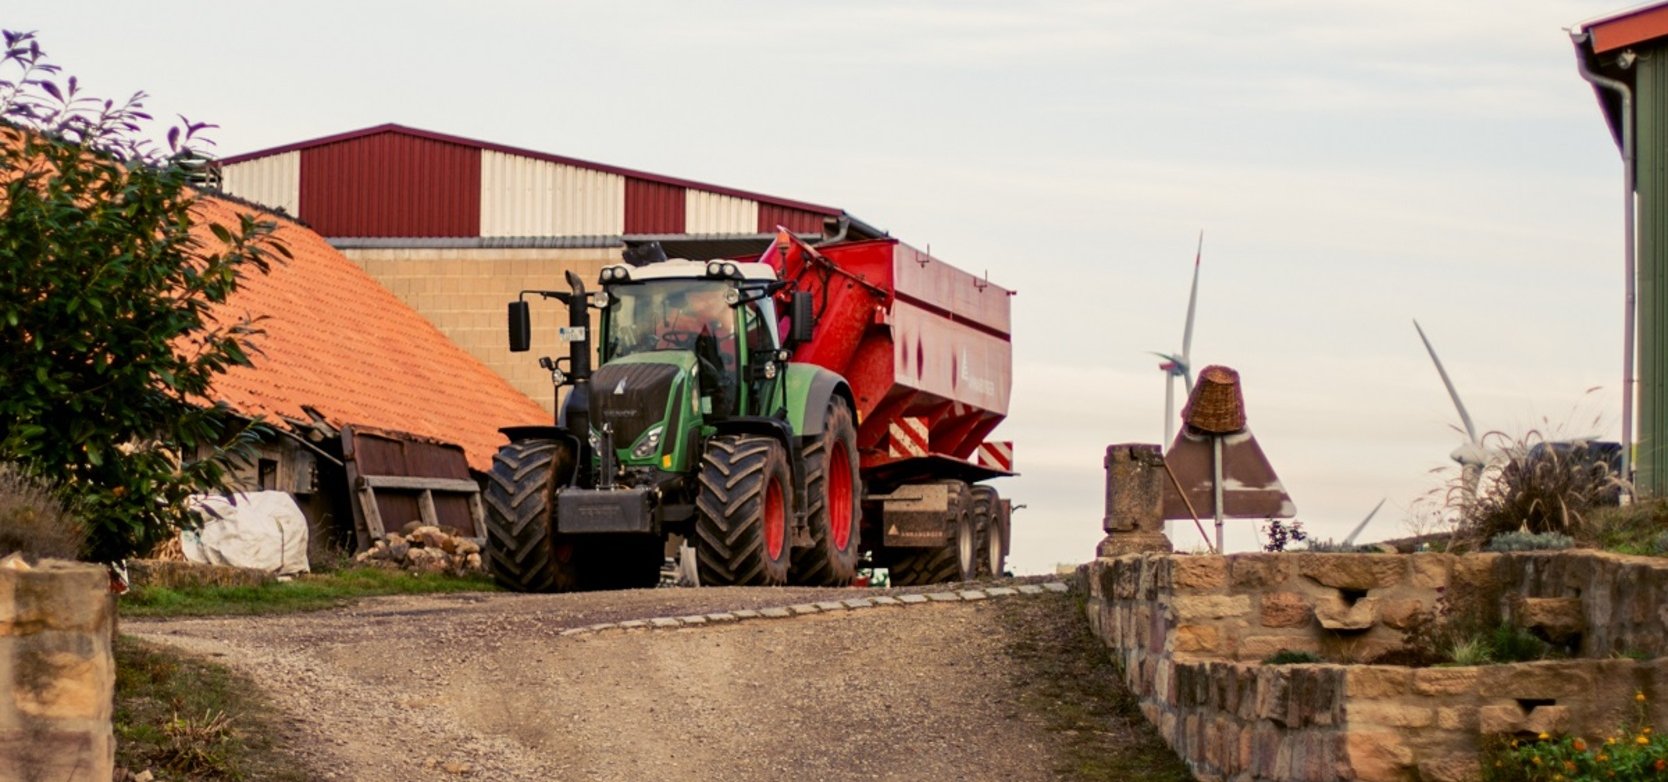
110 279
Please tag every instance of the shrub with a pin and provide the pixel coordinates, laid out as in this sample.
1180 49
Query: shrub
107 307
33 521
1544 487
1281 535
1330 547
1633 752
1530 541
1289 657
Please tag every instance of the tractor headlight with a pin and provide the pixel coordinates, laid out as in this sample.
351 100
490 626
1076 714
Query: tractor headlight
649 444
714 269
615 273
731 270
600 300
732 296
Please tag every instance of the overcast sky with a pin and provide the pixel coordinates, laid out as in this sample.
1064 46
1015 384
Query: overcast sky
1353 166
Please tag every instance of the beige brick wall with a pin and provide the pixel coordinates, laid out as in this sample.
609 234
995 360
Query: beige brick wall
57 676
463 292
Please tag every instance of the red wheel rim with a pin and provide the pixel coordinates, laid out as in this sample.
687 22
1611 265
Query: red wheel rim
775 522
839 496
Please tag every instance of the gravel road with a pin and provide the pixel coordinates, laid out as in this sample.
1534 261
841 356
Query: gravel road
488 687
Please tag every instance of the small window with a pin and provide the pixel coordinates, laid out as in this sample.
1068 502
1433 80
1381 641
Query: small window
267 474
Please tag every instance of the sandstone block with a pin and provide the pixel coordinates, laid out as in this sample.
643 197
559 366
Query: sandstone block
1285 609
1547 719
1123 544
1334 613
1378 754
1456 719
1260 571
1262 647
1476 571
1377 681
59 596
1500 718
1389 714
1429 571
1458 767
1445 681
1197 608
1197 639
1402 613
1354 571
1559 618
1198 573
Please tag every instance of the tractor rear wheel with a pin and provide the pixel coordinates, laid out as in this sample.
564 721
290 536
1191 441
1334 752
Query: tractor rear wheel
955 561
833 491
522 551
742 511
987 519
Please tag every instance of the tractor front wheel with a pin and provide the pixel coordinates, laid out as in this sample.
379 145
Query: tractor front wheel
833 490
742 512
522 551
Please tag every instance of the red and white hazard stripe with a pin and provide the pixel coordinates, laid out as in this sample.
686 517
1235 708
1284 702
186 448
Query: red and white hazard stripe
997 455
909 437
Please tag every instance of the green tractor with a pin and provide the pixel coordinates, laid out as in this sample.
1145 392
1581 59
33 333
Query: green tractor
695 425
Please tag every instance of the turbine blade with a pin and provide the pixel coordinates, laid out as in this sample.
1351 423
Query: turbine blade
1350 541
1192 303
1465 418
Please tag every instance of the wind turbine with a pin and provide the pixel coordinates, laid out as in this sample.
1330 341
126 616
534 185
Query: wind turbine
1471 455
1350 541
1180 365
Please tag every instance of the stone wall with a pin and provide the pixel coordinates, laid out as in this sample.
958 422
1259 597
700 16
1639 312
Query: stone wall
57 676
1190 633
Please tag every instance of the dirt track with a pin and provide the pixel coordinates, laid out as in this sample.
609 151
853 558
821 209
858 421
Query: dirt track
487 687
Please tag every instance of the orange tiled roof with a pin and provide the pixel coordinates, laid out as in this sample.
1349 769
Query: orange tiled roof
338 341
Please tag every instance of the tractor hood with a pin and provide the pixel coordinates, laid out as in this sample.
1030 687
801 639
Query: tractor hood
636 393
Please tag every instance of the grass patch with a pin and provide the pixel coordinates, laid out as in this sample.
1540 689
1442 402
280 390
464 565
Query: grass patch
1067 679
307 593
185 718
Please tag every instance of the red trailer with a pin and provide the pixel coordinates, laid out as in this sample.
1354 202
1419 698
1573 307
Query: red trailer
926 349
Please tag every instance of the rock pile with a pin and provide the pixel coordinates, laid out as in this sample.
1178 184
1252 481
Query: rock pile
425 549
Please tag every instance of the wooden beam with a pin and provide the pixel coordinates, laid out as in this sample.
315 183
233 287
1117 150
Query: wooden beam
452 485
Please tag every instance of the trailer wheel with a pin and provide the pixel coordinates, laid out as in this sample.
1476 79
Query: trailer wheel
833 490
522 551
956 561
987 518
742 512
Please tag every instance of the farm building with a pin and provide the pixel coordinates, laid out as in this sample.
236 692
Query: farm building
1625 57
457 227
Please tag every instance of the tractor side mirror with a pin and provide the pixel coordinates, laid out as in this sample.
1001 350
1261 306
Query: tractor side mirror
521 327
800 312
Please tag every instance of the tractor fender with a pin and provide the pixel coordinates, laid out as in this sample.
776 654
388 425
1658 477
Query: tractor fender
815 388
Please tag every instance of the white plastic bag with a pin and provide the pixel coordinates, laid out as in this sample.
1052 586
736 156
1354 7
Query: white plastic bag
265 530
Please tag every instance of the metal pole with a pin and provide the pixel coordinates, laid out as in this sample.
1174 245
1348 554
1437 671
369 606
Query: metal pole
1216 470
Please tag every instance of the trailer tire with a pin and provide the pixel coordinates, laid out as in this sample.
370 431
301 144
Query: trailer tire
987 518
833 493
957 561
742 512
522 551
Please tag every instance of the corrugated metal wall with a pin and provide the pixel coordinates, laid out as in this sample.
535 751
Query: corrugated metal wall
521 196
273 181
653 207
1652 186
796 220
392 184
712 213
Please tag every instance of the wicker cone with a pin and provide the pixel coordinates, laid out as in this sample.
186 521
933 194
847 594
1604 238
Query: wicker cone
1217 405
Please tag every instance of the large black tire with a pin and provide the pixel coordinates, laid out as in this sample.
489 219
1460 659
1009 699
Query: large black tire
521 549
987 519
956 561
833 492
741 514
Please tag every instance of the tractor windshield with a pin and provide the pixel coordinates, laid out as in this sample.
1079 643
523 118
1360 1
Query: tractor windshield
667 315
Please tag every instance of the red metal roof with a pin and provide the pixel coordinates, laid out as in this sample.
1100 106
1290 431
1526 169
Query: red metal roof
509 150
1626 28
337 341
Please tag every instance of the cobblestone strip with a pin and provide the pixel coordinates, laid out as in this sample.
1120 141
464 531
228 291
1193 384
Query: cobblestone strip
828 607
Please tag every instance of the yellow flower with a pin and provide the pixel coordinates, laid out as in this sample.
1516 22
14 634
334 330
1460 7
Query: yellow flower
1610 741
1602 758
1578 745
1641 740
1544 736
1535 760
